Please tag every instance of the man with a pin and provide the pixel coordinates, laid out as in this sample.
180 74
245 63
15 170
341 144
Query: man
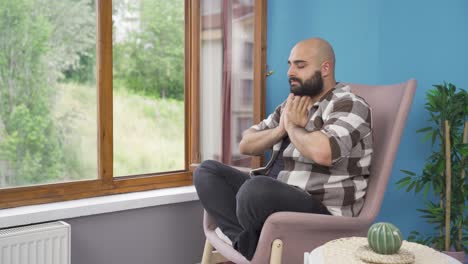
322 145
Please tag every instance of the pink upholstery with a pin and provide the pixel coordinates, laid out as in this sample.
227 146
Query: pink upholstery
302 232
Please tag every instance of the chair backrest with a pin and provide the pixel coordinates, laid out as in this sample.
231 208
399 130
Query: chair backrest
390 106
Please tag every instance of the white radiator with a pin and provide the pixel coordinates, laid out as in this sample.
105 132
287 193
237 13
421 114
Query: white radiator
36 244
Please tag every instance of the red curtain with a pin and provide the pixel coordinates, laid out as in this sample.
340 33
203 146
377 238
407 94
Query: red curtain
227 69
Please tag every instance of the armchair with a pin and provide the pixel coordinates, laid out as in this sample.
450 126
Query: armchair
287 235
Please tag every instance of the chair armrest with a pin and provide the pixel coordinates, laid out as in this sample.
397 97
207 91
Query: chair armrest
209 223
302 232
307 221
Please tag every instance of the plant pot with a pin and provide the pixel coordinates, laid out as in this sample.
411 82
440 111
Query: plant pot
458 255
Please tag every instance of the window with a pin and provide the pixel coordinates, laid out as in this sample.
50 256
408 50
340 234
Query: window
48 100
228 100
247 54
242 124
148 86
89 112
247 92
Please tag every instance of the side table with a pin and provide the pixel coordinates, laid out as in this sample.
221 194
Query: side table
316 256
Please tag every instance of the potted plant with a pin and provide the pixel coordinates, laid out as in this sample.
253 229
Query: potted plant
444 171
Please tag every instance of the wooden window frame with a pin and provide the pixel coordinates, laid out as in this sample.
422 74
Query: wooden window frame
106 184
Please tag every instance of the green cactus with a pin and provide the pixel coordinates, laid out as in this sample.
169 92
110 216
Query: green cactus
384 238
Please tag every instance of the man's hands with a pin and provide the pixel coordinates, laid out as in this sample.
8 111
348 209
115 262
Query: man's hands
294 118
295 112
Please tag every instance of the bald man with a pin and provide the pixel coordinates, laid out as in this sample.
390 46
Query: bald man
322 145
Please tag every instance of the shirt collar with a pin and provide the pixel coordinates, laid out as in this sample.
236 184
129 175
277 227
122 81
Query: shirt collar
338 86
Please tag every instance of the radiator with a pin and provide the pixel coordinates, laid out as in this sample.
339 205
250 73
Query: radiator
36 244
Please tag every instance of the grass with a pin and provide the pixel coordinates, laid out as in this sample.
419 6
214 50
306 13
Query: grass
148 132
75 115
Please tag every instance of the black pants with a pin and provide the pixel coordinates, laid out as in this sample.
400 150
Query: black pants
241 204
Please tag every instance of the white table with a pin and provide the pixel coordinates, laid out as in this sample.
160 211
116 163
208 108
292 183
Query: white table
316 257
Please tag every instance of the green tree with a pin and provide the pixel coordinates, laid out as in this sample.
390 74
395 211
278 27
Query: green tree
73 33
27 141
80 68
151 60
38 41
85 71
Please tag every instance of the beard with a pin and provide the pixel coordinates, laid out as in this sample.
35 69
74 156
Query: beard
310 87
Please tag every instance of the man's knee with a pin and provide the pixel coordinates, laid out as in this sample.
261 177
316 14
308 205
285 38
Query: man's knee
253 202
206 168
255 193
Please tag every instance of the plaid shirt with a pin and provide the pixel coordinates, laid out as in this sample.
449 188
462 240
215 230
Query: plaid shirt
345 119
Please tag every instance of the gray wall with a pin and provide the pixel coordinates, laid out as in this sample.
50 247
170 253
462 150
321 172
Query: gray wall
168 234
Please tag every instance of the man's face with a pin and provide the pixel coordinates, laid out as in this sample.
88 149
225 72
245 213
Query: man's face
312 86
304 74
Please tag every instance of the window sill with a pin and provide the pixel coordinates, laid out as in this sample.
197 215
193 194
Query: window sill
26 215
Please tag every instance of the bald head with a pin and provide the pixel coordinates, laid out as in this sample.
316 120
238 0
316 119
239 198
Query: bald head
311 67
318 48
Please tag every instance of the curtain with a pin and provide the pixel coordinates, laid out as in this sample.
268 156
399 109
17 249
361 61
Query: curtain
226 86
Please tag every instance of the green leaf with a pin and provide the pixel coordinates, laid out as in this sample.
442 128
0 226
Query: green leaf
405 179
428 136
419 186
423 129
402 184
408 172
426 189
464 150
410 186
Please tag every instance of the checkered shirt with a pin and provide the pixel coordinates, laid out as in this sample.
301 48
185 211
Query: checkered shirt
345 119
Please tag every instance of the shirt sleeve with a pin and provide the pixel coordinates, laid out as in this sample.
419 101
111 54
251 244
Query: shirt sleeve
347 124
272 120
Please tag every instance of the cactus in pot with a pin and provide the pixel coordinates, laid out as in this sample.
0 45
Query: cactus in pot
384 238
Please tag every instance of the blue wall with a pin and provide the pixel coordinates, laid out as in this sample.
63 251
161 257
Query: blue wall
379 42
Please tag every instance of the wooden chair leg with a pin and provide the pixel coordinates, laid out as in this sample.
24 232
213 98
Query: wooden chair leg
211 256
275 258
207 252
276 251
218 258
